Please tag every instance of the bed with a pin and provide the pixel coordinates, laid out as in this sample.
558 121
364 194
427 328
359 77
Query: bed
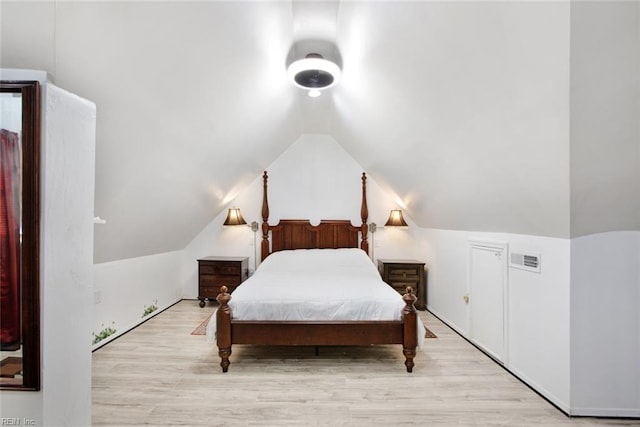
316 286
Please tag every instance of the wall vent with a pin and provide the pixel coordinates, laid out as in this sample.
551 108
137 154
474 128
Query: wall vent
528 261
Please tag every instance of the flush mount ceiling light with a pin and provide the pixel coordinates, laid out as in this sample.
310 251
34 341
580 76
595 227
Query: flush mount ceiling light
314 72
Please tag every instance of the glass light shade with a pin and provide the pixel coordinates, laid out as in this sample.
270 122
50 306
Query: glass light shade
396 219
234 217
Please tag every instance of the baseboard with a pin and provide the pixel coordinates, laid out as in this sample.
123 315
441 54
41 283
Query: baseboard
606 413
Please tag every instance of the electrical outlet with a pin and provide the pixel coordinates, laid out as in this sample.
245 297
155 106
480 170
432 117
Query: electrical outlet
97 297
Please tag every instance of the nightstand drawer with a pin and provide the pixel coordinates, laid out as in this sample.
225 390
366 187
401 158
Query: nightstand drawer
209 291
402 287
221 268
211 280
214 291
412 275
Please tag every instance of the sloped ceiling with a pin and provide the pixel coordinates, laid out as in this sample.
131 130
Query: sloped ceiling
459 109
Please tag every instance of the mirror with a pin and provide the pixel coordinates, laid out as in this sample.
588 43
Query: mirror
20 235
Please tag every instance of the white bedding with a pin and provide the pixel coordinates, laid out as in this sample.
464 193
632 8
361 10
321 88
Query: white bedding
316 284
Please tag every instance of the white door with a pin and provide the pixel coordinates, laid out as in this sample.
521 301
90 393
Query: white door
487 298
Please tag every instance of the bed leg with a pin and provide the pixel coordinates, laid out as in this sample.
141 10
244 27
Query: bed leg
409 354
410 332
223 328
224 354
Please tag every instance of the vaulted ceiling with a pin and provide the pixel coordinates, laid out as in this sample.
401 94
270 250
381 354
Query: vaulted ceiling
460 108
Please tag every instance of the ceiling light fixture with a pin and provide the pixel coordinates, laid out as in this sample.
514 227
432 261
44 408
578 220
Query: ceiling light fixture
314 72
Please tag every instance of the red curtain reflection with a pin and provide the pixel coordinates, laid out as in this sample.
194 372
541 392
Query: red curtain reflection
9 240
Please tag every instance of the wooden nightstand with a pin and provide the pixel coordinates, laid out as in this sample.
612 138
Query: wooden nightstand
402 273
216 271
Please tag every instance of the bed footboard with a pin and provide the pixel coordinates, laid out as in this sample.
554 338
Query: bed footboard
311 333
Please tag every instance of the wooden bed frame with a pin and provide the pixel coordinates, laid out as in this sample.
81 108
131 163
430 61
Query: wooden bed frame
300 234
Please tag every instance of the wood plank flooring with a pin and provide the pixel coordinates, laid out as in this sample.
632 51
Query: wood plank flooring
160 374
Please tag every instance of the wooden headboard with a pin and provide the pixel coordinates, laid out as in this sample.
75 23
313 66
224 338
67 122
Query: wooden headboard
301 234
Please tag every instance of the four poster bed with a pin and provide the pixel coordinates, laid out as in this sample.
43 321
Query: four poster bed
316 286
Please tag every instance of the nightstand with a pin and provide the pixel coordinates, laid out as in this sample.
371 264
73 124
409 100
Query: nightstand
400 273
216 271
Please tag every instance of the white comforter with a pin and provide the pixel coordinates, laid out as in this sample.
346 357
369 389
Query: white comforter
316 284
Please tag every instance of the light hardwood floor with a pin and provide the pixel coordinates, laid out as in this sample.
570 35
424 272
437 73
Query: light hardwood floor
160 374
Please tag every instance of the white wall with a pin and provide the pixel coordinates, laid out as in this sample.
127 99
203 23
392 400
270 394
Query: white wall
67 233
315 178
605 208
66 265
538 315
124 288
605 117
573 329
605 324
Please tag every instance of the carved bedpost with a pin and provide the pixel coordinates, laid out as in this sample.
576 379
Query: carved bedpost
410 336
265 218
364 215
223 328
